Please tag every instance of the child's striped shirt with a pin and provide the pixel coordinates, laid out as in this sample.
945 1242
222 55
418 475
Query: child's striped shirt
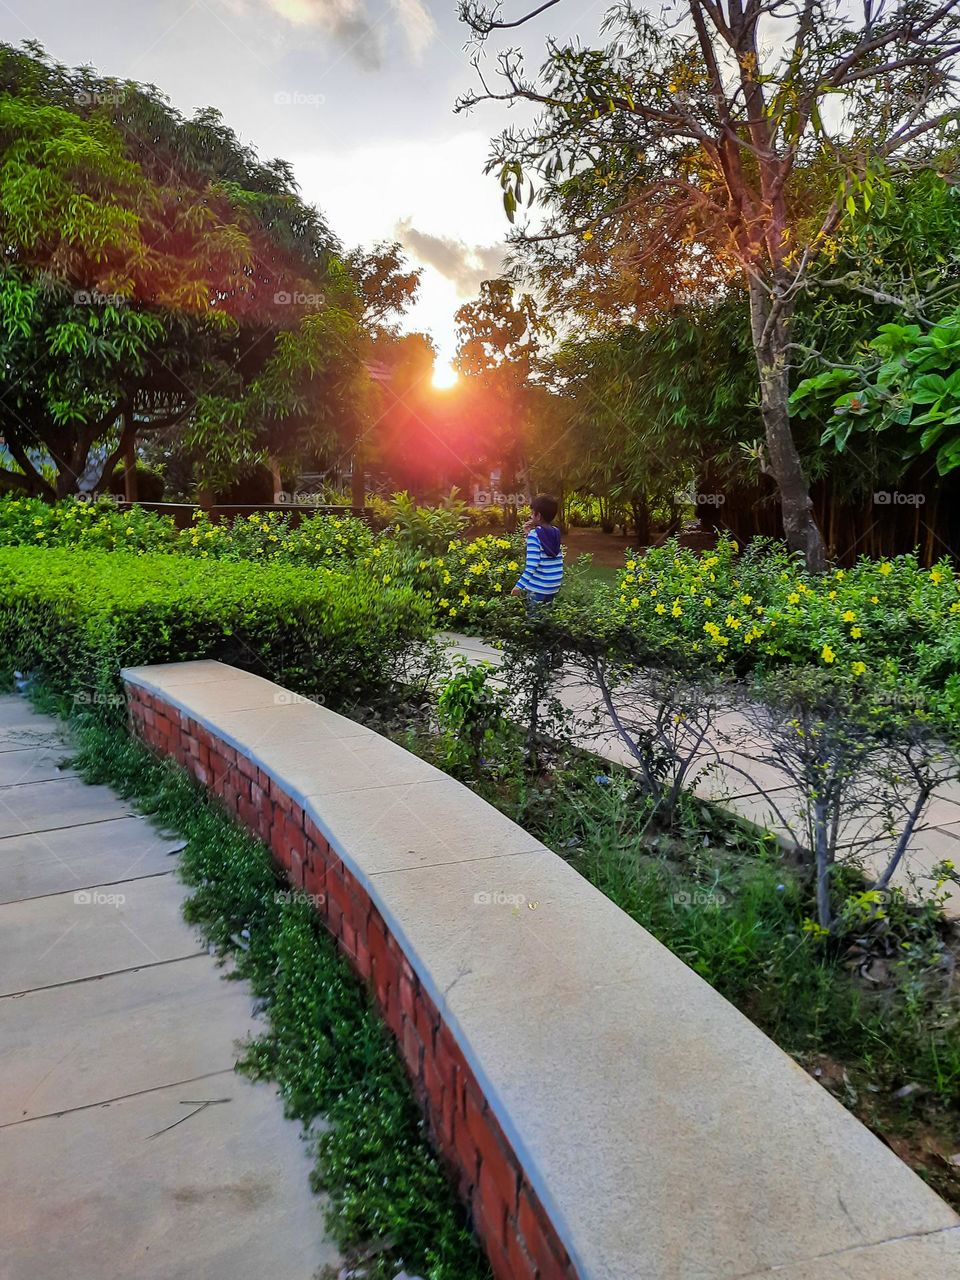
542 573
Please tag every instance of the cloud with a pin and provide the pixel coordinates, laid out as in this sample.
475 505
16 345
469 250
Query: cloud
349 23
464 265
416 23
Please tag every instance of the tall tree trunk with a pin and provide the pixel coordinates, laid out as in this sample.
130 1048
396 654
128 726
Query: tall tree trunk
770 347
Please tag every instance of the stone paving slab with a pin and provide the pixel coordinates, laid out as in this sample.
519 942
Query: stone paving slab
106 1194
66 802
44 941
30 764
119 1024
99 853
21 726
72 1046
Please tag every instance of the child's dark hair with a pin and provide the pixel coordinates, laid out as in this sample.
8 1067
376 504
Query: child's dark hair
545 506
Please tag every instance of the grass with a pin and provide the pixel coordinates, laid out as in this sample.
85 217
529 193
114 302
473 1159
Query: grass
325 1046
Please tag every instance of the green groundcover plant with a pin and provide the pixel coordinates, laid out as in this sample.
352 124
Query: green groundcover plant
73 619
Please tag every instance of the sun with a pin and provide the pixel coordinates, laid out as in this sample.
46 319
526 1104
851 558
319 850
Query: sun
444 376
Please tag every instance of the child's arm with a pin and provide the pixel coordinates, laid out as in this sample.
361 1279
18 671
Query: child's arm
534 555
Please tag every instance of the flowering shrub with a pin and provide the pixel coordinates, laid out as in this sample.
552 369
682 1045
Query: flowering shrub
463 584
98 525
320 540
883 622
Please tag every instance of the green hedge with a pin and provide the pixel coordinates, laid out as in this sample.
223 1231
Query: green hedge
74 618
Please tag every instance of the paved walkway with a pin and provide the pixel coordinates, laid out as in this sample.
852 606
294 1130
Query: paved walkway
765 797
128 1145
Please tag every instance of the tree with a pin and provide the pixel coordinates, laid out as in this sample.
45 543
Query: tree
387 285
754 126
155 274
498 340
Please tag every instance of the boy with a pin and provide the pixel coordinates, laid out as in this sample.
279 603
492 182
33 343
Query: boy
543 572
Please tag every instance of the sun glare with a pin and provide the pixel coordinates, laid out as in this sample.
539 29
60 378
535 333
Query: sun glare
444 376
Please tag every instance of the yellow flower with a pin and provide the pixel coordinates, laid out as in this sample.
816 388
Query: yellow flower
661 608
936 577
874 599
858 668
849 616
631 564
886 568
831 595
677 611
731 621
855 633
707 602
386 578
793 598
827 654
746 599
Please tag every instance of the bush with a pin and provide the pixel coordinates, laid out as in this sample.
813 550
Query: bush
92 525
270 535
74 618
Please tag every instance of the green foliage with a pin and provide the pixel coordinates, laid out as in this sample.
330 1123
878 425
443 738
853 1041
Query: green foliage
184 284
75 618
907 378
887 625
472 717
423 529
96 525
326 1047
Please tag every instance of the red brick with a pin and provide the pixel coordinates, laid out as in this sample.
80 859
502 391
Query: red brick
540 1239
496 1155
411 1048
522 1266
466 1155
361 959
489 1208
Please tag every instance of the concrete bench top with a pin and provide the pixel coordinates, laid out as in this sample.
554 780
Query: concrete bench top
666 1136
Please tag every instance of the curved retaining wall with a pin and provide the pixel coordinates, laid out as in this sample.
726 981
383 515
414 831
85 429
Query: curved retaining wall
605 1113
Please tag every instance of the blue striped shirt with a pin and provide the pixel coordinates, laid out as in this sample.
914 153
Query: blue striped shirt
542 573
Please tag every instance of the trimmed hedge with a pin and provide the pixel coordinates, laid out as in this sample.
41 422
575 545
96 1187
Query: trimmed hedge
74 618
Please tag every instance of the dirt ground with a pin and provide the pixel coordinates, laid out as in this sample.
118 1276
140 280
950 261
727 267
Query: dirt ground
608 548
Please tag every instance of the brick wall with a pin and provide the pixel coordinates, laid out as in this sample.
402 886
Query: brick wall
519 1238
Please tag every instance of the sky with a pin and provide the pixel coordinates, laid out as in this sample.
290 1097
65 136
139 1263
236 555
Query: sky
357 94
